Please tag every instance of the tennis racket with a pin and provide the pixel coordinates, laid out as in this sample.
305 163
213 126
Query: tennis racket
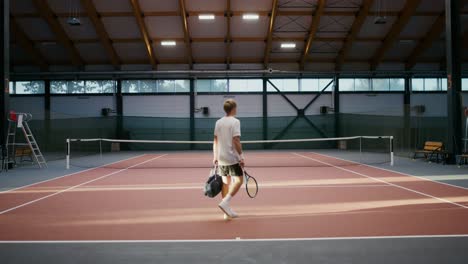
251 185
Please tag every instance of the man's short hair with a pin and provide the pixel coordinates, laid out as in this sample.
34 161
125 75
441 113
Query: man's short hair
229 104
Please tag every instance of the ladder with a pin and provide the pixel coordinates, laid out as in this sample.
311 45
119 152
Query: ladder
21 121
10 160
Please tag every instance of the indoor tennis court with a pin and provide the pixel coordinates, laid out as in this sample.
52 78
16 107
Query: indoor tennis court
234 131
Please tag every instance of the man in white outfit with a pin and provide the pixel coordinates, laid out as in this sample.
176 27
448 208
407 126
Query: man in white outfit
227 152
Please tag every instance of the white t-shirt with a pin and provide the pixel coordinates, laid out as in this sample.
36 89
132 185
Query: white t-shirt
226 128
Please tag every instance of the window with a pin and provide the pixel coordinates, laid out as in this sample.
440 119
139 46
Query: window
83 87
315 85
182 86
417 84
173 86
29 87
380 85
346 85
429 84
100 86
139 86
245 85
325 82
217 85
362 85
67 87
372 84
397 84
284 85
465 84
155 86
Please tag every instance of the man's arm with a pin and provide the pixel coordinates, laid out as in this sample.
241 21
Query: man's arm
238 147
215 150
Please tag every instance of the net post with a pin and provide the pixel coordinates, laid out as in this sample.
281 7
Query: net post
392 160
100 147
68 154
360 149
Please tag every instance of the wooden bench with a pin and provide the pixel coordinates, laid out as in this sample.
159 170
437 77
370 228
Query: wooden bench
22 152
462 159
433 150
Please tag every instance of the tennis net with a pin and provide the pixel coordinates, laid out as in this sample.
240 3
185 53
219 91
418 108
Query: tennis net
342 151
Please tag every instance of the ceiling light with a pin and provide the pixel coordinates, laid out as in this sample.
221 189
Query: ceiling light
48 43
250 16
74 21
206 17
380 20
168 43
406 41
288 45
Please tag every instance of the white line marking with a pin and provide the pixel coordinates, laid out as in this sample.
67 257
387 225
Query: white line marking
389 183
175 188
67 175
402 173
76 186
230 240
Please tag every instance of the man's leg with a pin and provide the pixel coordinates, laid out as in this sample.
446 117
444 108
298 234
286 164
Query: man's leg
235 185
226 185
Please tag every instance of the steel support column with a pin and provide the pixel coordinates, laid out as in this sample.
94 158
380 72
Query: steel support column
4 70
47 113
192 110
265 110
454 54
407 114
336 105
119 110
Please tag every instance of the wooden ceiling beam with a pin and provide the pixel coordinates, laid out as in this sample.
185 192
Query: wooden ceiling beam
185 27
46 13
314 26
434 32
352 36
101 32
431 36
408 10
28 45
233 39
271 24
237 13
144 33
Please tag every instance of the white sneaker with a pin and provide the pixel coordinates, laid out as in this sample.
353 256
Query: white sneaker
234 214
224 206
226 217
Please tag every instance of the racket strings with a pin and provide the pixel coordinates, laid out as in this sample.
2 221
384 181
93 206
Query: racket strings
252 187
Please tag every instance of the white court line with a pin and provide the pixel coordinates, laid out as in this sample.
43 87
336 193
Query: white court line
389 183
230 240
402 173
161 188
81 184
70 174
